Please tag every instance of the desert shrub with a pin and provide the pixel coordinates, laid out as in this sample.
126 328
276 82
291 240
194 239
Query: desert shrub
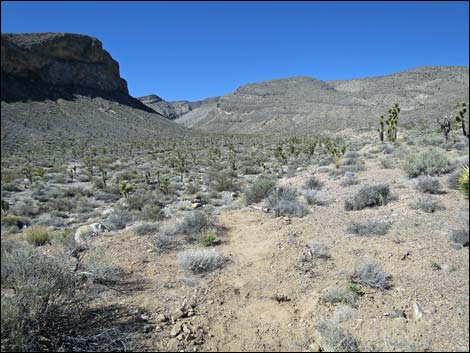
200 261
349 179
260 189
281 193
371 275
313 183
332 338
44 305
61 204
460 236
119 218
151 213
453 179
146 229
163 243
431 161
98 266
195 222
339 295
45 291
290 208
50 220
77 192
315 197
427 204
369 196
428 184
222 181
283 202
370 227
37 235
251 170
14 187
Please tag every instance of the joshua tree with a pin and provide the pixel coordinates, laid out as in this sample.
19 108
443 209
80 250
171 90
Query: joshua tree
461 111
381 128
392 122
125 189
28 173
104 175
445 126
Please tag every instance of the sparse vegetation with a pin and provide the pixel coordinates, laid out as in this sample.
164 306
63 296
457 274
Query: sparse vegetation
332 338
369 227
371 275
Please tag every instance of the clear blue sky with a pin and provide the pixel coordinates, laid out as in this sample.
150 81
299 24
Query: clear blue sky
194 50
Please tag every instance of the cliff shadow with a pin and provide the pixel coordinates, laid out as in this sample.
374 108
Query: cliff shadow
15 89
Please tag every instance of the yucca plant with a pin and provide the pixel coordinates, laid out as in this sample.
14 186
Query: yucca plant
463 180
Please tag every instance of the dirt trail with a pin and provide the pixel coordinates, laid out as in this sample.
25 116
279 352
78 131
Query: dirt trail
251 318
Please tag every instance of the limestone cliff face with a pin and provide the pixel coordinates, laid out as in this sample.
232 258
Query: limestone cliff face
60 59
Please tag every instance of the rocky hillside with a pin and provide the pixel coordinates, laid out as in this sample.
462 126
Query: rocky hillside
175 109
58 85
303 103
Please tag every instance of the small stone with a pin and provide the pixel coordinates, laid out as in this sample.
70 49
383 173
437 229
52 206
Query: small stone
395 314
161 318
176 330
196 205
177 314
419 313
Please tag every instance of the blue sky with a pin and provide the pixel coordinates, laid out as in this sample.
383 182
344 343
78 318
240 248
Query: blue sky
194 50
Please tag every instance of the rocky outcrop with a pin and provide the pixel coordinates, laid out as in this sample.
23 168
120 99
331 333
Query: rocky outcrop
60 59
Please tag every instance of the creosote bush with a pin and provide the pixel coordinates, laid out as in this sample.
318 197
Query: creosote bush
368 196
259 190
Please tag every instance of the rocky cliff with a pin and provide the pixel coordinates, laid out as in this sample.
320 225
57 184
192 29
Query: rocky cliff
57 86
60 59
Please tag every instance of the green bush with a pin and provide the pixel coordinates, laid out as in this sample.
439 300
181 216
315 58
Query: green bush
259 190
